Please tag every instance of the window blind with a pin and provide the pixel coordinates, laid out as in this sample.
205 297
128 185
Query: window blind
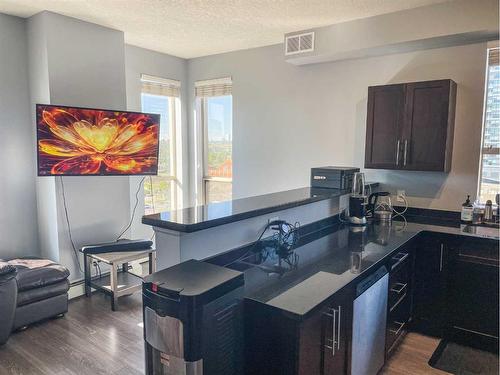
160 86
213 87
493 56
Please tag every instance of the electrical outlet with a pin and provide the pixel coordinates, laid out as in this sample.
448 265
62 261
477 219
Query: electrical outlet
401 195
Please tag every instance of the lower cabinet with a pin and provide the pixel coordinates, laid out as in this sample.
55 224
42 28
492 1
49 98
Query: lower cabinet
337 327
432 256
277 344
457 289
324 338
474 292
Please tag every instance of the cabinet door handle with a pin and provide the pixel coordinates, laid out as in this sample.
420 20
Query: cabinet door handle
333 315
397 331
397 152
399 258
399 287
405 151
338 330
441 258
335 330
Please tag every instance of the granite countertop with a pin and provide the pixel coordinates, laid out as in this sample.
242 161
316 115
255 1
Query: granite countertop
321 263
197 218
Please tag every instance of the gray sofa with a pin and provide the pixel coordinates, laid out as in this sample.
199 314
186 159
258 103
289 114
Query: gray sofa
41 291
8 298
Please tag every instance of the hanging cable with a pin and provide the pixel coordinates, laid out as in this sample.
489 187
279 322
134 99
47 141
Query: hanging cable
284 239
152 194
69 226
152 201
133 211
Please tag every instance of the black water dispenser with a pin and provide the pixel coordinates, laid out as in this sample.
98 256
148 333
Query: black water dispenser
193 320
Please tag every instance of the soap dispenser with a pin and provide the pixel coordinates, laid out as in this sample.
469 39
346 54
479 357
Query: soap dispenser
467 211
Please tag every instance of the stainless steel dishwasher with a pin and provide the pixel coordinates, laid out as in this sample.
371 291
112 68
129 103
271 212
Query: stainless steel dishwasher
369 324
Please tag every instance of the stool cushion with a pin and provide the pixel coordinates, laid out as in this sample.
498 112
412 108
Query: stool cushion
120 245
44 292
36 273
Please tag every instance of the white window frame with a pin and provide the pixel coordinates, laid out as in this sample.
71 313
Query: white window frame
201 139
485 150
206 179
173 123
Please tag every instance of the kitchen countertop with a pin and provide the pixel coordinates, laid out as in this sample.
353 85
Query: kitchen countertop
320 264
197 218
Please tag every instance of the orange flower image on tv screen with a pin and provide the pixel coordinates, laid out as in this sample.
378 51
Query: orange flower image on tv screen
76 141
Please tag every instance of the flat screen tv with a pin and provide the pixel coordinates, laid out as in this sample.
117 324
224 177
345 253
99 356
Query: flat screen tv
74 141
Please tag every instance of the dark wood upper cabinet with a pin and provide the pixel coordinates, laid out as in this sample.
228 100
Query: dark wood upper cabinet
385 120
410 126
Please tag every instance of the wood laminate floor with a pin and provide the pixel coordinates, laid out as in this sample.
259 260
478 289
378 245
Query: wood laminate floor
412 355
92 340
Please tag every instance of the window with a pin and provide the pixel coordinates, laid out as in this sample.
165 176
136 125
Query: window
214 103
489 178
161 96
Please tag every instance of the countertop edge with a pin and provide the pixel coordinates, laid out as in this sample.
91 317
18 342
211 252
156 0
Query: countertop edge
189 228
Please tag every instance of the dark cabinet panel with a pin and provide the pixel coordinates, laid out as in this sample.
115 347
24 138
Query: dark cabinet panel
457 289
410 126
271 341
385 117
431 270
311 345
474 295
336 333
277 344
427 138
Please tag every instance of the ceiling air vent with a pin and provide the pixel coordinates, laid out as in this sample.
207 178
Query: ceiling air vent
299 43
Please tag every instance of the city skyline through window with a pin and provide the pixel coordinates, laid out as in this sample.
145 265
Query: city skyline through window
490 157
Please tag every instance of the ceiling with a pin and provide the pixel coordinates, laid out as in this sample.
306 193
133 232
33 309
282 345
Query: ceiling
193 28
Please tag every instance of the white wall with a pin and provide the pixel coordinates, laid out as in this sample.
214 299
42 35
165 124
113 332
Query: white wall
138 61
287 119
18 218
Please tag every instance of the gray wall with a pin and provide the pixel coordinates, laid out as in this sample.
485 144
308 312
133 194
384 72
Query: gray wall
40 93
450 23
18 218
85 66
287 119
138 61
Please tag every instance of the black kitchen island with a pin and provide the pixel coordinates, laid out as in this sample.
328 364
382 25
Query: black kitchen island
323 262
299 305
